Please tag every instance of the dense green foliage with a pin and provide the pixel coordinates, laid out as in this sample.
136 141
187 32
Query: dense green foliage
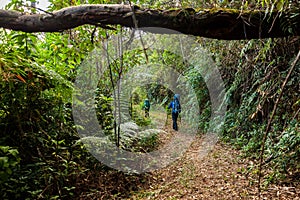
40 156
252 93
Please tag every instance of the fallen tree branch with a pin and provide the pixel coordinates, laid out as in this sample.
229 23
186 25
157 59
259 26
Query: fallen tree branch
226 24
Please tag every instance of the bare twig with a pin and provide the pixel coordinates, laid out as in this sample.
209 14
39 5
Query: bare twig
296 114
105 46
120 51
135 21
50 13
93 35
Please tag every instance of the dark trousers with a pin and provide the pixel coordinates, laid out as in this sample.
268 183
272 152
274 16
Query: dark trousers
174 118
147 112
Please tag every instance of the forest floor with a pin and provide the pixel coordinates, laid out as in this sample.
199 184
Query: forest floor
222 174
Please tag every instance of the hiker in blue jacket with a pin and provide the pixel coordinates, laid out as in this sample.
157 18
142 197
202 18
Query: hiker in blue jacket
176 109
146 106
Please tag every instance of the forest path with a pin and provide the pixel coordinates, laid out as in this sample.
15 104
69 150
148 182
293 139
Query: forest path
222 174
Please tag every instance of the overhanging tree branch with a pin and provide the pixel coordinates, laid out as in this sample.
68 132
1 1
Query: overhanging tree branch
224 24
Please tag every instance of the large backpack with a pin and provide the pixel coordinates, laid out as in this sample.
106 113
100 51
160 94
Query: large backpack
147 104
176 104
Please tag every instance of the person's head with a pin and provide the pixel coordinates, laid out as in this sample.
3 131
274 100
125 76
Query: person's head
176 96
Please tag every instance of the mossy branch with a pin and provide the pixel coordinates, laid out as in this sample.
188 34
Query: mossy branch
226 24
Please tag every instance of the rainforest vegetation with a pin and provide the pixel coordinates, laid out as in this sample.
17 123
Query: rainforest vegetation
42 154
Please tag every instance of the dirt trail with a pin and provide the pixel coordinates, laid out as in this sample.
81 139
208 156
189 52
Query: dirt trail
219 175
222 174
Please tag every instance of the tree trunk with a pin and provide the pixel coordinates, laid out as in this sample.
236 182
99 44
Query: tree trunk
226 24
